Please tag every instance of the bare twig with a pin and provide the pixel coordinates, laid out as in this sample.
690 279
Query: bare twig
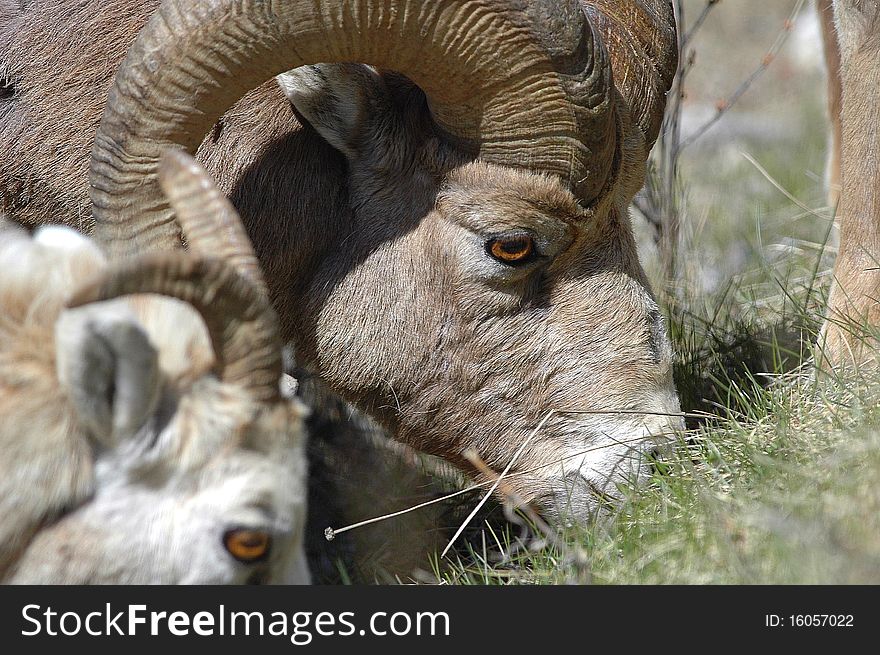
698 23
330 533
723 106
660 200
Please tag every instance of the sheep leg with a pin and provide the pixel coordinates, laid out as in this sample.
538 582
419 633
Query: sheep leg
855 294
833 96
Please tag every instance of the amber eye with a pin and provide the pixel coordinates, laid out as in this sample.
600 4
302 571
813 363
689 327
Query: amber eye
247 545
515 248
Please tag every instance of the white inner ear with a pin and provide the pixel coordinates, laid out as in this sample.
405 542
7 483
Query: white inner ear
333 99
108 368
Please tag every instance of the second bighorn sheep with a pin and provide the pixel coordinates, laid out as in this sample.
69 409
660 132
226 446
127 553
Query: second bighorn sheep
444 233
144 438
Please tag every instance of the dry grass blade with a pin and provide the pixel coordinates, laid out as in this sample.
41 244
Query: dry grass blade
494 486
780 188
573 554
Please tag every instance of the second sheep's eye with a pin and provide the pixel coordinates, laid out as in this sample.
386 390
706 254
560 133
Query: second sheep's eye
247 546
512 248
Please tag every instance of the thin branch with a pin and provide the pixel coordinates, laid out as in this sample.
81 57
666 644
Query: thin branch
330 533
725 105
710 4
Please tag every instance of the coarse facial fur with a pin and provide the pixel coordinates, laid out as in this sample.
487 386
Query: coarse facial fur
132 483
371 228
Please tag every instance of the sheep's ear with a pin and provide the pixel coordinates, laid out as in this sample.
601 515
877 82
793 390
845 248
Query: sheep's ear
338 100
109 370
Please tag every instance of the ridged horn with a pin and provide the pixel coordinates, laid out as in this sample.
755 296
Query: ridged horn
241 323
527 83
210 223
642 43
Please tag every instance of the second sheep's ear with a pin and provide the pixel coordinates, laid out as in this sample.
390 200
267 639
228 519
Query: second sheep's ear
110 371
339 100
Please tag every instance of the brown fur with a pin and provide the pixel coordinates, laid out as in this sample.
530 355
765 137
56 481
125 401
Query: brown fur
47 128
856 288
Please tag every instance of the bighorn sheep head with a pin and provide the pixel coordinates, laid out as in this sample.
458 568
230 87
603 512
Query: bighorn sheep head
140 447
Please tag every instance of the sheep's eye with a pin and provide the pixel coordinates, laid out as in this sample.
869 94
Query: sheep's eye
247 545
514 248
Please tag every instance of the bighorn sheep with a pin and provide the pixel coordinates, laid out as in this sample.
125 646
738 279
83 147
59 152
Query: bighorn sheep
125 458
444 232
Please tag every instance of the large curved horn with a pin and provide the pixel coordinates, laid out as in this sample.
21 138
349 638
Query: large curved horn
527 83
209 222
642 42
241 323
